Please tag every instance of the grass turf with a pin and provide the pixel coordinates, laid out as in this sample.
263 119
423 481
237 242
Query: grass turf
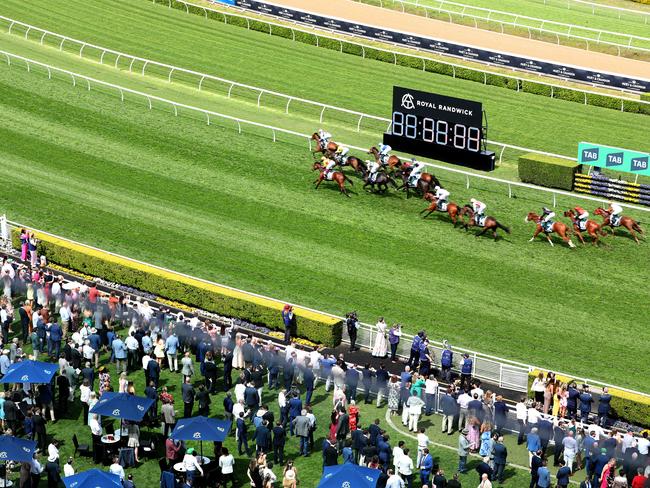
241 210
174 37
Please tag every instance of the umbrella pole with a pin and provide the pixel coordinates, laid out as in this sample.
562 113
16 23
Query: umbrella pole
201 451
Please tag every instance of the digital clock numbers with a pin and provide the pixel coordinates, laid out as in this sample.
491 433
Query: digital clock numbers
434 131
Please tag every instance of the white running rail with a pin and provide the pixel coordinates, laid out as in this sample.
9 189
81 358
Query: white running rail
277 130
466 11
593 6
317 32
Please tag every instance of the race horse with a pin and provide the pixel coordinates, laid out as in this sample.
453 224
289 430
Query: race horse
331 146
392 163
592 228
425 184
382 180
336 176
355 163
489 223
559 228
452 209
628 222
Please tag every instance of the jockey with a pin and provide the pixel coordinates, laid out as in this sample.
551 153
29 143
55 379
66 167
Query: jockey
582 216
373 169
547 215
328 166
384 149
416 172
324 138
441 197
479 209
341 153
615 210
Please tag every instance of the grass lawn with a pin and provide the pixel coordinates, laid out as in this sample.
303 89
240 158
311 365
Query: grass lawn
189 41
241 210
147 472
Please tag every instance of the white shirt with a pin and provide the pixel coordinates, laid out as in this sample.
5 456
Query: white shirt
95 426
68 470
37 468
478 391
395 482
430 386
226 464
538 385
627 442
643 444
237 408
423 441
52 451
88 352
463 400
282 400
240 388
145 360
522 411
268 472
405 465
533 415
118 470
397 453
315 357
131 343
190 463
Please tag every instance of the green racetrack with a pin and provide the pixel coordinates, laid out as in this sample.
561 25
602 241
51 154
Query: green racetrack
241 210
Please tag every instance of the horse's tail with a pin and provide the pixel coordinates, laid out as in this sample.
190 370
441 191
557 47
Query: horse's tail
637 227
501 226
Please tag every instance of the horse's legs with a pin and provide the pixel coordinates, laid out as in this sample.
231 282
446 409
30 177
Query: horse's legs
482 232
630 228
494 233
550 241
535 234
579 234
318 181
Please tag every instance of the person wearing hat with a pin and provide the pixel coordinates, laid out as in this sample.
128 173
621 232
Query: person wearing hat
463 450
68 470
466 370
191 464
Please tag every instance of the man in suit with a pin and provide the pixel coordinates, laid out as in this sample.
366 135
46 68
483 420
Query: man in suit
54 343
360 439
330 454
153 371
342 429
295 407
535 464
308 382
604 407
426 466
187 392
39 429
500 459
227 370
242 435
262 438
279 439
251 399
587 483
302 427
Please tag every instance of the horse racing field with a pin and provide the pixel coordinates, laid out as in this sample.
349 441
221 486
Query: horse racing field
240 209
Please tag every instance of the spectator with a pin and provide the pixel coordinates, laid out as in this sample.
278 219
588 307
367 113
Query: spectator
289 321
171 346
467 368
522 415
394 481
430 392
426 466
172 451
414 404
226 464
423 443
533 444
585 404
119 352
241 434
394 335
168 417
446 362
535 465
188 394
500 414
116 468
404 467
191 464
463 450
500 459
454 482
203 398
68 470
485 481
543 476
604 407
330 454
187 366
570 449
563 475
279 439
483 468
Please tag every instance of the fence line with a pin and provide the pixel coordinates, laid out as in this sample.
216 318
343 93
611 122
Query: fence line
597 39
595 5
277 130
316 32
483 363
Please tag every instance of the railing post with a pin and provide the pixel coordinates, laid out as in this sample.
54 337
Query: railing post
81 50
149 100
500 375
467 182
121 95
49 73
28 68
101 58
359 123
474 366
554 199
320 119
201 82
259 97
238 126
286 109
27 31
230 89
169 78
43 37
10 26
503 148
117 59
88 81
74 81
131 65
273 130
61 45
509 190
144 66
208 117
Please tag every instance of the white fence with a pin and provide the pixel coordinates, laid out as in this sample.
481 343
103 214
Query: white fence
75 77
317 32
598 7
627 41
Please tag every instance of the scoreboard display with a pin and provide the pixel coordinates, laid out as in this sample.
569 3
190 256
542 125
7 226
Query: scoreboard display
439 127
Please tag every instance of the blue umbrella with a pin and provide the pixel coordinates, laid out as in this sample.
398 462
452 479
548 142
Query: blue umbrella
122 406
36 372
201 429
93 478
349 475
15 449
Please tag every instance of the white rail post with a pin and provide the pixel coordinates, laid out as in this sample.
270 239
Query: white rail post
259 97
467 182
131 65
320 119
503 148
10 26
509 190
121 95
28 69
230 89
208 117
201 82
74 81
175 109
554 199
101 58
238 126
81 50
169 78
149 100
144 66
273 130
88 81
359 123
117 60
49 73
27 31
286 108
61 45
8 60
43 37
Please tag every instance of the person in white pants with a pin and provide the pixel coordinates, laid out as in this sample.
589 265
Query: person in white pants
423 443
414 404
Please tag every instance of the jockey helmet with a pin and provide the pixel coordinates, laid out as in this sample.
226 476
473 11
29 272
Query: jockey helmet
436 188
472 200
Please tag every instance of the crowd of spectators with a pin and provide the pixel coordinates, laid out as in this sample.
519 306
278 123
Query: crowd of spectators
269 396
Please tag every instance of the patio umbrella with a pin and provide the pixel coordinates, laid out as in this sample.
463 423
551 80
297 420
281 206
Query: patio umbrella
349 475
33 372
122 406
201 429
93 478
15 449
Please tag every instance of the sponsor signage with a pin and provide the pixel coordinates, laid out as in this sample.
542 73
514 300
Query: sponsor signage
614 158
504 59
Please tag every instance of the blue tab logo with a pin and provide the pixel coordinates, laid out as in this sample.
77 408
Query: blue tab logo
614 159
590 154
640 164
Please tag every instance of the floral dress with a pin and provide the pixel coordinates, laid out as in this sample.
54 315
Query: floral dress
104 382
393 396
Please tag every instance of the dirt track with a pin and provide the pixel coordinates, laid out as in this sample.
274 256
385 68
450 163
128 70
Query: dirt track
414 24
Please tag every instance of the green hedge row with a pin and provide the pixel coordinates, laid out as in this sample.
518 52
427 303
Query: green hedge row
547 171
193 293
430 66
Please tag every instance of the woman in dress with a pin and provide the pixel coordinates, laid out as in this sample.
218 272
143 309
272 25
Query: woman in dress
538 388
289 475
474 436
393 394
548 396
123 383
334 422
24 244
134 439
564 395
237 356
104 380
485 448
608 473
159 351
381 342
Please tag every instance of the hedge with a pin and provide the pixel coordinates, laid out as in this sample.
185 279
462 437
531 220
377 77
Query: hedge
316 327
547 171
404 59
628 407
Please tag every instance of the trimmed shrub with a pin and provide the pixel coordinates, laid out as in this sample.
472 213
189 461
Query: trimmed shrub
547 171
629 407
645 96
189 291
536 88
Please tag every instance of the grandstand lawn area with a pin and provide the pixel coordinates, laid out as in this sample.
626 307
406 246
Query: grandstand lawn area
241 210
146 473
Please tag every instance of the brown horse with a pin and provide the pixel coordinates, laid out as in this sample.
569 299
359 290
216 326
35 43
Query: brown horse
337 176
331 146
452 209
392 163
559 228
592 228
357 165
628 222
382 180
489 223
425 184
